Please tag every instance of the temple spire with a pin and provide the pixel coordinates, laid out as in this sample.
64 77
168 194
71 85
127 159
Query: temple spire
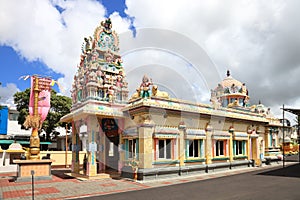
228 73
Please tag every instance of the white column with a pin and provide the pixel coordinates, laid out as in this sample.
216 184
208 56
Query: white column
83 136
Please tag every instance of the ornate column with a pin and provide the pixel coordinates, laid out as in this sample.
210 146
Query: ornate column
34 153
249 145
92 130
83 136
145 142
231 131
75 148
181 148
208 144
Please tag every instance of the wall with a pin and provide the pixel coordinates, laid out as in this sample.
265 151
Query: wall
59 157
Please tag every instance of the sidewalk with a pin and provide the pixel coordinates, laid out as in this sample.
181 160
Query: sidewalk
65 187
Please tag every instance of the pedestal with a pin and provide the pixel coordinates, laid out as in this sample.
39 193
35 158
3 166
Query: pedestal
42 170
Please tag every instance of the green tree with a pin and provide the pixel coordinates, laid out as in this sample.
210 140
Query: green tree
60 106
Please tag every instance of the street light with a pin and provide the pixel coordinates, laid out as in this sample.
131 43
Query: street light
283 159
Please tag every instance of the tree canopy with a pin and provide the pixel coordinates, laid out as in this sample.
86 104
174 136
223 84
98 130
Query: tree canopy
60 106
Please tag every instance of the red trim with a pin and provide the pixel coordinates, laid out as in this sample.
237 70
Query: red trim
155 154
213 145
224 147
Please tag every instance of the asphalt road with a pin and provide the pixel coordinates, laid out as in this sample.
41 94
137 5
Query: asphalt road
292 158
269 184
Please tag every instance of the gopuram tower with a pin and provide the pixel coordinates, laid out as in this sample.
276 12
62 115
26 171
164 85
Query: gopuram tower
99 92
100 75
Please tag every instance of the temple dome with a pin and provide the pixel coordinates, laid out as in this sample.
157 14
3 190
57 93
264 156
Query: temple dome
229 81
230 93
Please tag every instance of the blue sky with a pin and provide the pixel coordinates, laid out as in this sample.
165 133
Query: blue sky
14 65
257 40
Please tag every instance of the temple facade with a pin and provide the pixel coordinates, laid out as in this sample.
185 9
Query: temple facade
151 134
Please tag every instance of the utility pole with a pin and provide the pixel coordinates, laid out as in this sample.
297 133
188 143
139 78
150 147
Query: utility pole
283 156
66 152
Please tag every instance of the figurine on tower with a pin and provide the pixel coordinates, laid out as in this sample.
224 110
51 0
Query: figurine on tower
145 86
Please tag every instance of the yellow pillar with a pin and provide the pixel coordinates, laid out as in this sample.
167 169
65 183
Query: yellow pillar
145 146
181 148
208 144
92 130
248 147
231 131
255 153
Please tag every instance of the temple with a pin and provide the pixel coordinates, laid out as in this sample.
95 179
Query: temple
153 135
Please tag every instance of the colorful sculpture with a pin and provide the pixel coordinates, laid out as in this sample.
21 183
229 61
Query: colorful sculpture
100 73
230 93
145 86
158 93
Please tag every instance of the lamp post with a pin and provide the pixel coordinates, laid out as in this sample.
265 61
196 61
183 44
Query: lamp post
283 156
32 183
66 152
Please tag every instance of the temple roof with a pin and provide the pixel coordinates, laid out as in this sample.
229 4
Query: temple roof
190 107
229 81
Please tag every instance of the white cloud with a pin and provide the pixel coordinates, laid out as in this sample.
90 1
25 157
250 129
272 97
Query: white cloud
258 40
38 31
6 94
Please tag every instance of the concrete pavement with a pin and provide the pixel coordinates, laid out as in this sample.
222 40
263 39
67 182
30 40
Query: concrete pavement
65 187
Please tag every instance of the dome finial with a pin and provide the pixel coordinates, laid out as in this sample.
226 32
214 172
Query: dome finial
228 73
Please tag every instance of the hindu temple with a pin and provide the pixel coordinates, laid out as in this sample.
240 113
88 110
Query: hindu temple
153 135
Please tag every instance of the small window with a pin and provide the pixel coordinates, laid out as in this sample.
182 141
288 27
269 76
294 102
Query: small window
194 148
132 148
164 146
219 148
239 147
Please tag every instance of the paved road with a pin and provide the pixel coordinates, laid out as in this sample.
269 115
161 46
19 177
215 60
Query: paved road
275 184
292 158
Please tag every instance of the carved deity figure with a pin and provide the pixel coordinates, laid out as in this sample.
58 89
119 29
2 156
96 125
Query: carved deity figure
246 101
244 89
108 57
99 77
87 45
118 62
145 86
233 88
110 94
219 90
94 55
106 24
92 77
119 82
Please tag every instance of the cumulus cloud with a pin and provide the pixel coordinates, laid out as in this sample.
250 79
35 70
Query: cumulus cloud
258 41
52 31
6 94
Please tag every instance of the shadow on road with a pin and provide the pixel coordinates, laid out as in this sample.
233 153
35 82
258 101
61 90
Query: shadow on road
288 171
61 173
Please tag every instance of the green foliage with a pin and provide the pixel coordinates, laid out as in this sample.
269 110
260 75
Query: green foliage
60 106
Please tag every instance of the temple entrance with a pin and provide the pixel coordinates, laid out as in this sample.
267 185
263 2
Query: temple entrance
110 128
112 152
